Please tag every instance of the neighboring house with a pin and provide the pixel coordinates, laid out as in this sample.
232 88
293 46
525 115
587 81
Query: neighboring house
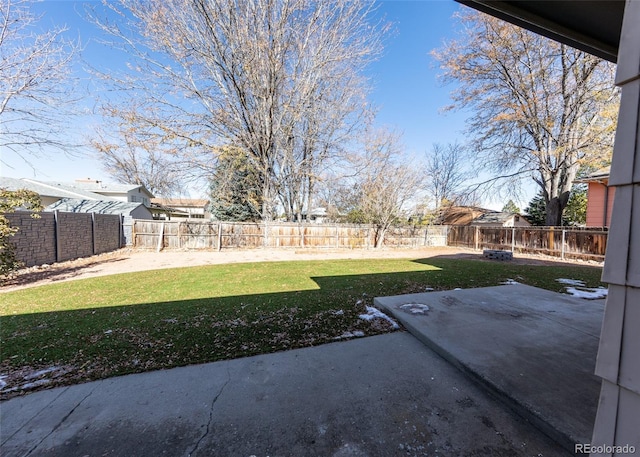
191 208
132 193
318 215
86 189
49 192
77 205
500 219
599 198
459 215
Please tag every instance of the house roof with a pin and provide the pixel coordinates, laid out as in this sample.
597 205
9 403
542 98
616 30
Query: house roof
600 175
78 205
318 212
493 217
181 202
94 190
459 215
48 189
593 26
108 188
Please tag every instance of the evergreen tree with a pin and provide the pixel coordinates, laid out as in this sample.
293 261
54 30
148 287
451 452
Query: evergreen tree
235 188
510 207
536 212
576 211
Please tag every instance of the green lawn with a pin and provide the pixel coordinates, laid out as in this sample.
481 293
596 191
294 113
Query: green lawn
101 327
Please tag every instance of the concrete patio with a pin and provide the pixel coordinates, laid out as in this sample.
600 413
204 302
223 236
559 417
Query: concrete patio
533 349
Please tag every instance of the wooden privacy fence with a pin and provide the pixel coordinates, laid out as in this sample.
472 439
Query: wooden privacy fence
563 242
224 235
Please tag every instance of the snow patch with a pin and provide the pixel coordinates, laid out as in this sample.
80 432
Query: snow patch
340 312
375 313
457 288
37 374
571 282
415 308
587 293
509 282
31 385
354 334
577 288
3 384
428 289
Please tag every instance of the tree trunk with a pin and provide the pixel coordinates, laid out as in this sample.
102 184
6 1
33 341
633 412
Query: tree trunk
379 234
554 212
554 209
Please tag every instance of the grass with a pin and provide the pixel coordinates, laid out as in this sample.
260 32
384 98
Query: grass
113 325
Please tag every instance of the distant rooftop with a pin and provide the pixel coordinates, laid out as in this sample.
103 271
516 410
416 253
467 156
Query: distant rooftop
78 205
49 189
83 188
494 217
596 176
180 202
102 187
459 215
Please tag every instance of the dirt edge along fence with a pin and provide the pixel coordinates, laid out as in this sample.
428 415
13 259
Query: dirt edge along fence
229 235
564 242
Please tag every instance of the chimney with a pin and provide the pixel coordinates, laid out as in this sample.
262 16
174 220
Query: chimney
88 181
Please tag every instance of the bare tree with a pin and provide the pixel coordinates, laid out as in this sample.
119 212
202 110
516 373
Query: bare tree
540 109
384 183
36 94
277 78
445 173
136 154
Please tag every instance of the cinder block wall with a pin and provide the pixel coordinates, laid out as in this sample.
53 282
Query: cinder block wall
35 240
71 236
106 233
75 236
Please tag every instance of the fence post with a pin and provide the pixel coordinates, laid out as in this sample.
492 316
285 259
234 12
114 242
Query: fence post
477 236
563 239
56 224
219 236
93 232
120 230
337 236
160 239
513 239
551 240
265 236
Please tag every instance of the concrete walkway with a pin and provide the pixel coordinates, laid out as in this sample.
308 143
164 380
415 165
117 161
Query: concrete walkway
387 395
533 349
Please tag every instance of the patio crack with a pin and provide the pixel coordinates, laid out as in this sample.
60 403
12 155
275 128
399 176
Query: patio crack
34 415
60 422
213 403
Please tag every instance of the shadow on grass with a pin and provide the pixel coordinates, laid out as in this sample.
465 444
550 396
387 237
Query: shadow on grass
86 344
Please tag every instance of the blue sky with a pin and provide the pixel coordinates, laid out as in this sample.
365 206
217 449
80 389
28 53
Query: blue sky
405 85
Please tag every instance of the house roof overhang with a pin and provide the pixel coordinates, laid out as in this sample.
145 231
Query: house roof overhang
592 26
